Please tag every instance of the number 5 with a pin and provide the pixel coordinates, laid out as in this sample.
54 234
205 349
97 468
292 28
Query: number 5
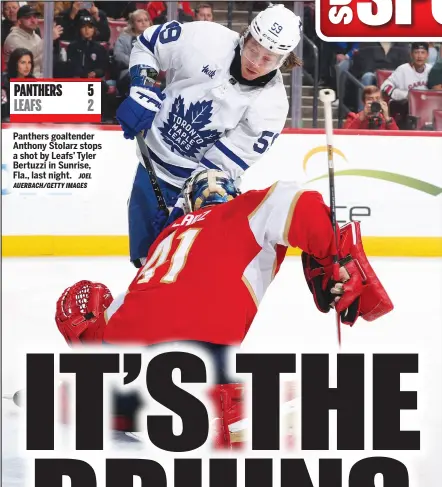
276 28
263 144
90 89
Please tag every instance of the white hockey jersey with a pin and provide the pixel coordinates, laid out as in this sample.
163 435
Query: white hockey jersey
208 119
404 79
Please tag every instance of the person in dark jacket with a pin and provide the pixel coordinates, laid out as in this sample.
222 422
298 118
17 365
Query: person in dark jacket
70 21
86 57
20 65
378 55
9 11
435 77
116 10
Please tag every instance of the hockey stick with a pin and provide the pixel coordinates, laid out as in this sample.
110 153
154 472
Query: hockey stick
328 97
147 162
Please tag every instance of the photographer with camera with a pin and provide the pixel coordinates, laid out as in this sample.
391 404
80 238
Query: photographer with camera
374 116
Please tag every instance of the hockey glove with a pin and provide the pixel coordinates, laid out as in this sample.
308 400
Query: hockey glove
138 110
343 295
357 286
80 312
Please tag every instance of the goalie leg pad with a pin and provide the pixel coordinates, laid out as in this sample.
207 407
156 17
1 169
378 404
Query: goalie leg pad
228 401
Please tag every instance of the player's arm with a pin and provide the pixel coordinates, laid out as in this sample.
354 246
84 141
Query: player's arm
301 219
153 52
244 145
393 85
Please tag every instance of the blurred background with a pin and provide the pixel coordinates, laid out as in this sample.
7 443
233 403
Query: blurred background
94 39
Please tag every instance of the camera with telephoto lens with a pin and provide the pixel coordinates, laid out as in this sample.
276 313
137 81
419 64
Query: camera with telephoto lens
374 117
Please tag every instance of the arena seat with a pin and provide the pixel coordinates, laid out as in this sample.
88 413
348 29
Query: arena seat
382 75
437 114
116 27
422 104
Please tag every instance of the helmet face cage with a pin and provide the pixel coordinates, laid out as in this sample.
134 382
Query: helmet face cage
208 187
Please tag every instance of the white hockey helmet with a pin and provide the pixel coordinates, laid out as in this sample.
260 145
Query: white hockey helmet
277 29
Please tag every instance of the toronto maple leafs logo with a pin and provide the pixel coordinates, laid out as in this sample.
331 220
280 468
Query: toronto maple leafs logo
183 130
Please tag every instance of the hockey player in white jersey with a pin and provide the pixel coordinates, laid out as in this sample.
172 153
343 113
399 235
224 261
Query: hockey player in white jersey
409 76
223 108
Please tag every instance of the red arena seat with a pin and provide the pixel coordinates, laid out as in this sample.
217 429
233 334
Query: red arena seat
422 104
437 119
116 27
382 75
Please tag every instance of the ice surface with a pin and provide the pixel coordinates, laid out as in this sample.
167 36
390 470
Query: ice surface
287 322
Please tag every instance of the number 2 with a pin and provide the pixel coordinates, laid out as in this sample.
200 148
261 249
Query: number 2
177 261
90 105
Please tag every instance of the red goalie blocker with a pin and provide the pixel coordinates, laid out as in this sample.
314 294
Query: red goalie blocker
374 300
361 292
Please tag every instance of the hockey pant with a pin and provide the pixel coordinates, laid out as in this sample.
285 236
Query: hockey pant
142 209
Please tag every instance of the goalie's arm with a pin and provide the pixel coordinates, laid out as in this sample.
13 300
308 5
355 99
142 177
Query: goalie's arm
302 219
298 218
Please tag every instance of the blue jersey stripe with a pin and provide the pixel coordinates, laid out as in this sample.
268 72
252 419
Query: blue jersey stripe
209 164
231 155
181 172
150 44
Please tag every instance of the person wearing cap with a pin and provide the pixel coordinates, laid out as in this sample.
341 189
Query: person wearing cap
408 76
86 58
23 35
223 108
70 18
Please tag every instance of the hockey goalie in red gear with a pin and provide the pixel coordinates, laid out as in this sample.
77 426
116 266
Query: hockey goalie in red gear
240 245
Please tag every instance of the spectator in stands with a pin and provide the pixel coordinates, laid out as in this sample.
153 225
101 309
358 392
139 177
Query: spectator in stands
23 35
59 7
70 19
139 21
20 65
117 10
435 77
10 10
433 53
87 58
378 55
409 76
204 11
374 116
344 55
158 12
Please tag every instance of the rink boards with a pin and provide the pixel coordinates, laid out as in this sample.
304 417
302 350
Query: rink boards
391 182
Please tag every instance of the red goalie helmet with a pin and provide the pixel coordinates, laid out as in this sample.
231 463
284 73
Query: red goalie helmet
79 313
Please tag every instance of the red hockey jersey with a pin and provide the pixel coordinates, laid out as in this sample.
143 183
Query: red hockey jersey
206 274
